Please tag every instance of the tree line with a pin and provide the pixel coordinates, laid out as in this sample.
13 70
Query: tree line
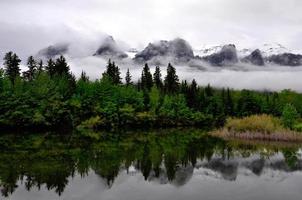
48 96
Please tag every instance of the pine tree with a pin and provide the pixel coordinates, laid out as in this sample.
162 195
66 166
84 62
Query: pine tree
146 78
128 78
248 104
184 87
32 68
208 91
40 67
50 68
11 64
157 78
117 74
84 77
192 95
229 105
113 72
61 67
139 84
171 80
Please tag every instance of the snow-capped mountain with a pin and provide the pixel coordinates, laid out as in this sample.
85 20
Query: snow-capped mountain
273 49
179 51
207 50
267 50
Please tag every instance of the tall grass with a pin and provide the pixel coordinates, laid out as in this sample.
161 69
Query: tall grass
255 123
257 127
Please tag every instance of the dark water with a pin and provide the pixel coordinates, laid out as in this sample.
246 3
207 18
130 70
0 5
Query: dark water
171 164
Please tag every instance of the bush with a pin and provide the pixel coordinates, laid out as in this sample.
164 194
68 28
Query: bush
289 116
91 124
298 127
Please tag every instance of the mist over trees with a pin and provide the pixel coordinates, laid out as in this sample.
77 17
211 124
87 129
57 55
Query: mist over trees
49 96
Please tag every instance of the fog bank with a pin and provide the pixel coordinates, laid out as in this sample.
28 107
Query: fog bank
273 78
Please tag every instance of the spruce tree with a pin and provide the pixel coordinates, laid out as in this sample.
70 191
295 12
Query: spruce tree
192 95
208 91
157 78
40 66
50 68
11 65
117 74
32 68
184 87
113 72
128 78
171 80
147 81
229 104
84 77
61 67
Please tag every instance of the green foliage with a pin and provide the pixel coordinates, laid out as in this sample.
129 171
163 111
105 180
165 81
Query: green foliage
50 97
289 116
298 127
248 104
155 99
92 123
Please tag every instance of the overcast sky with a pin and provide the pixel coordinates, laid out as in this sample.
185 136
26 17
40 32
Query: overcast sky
28 25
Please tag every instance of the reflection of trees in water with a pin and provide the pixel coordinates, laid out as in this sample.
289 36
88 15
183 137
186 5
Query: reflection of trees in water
34 172
161 158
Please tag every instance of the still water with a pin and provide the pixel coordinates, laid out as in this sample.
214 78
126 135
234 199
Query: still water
167 164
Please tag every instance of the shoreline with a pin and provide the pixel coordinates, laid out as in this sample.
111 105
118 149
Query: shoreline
290 137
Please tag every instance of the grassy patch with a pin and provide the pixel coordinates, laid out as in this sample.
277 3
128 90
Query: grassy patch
258 127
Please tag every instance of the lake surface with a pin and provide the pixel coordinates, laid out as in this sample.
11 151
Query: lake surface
167 164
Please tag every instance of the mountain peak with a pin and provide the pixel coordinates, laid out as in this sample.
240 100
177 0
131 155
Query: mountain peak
109 48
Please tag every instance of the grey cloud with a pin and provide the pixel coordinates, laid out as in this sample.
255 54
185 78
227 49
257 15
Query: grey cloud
242 22
31 25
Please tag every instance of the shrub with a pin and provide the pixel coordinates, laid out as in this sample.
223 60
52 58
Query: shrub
92 123
298 127
289 116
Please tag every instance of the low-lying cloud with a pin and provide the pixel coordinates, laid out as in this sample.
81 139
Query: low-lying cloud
241 76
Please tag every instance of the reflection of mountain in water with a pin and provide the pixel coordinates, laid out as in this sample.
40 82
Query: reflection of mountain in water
182 175
228 169
172 158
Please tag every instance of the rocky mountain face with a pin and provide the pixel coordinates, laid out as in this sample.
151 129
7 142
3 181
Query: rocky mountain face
53 51
226 56
286 59
267 54
178 49
109 49
254 58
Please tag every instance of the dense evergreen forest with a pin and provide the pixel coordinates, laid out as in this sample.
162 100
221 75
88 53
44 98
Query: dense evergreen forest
48 96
